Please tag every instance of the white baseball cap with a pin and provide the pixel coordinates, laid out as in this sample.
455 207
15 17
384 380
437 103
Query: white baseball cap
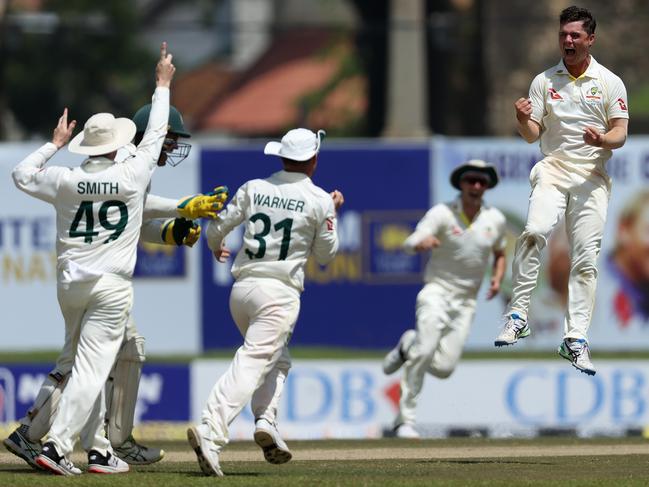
102 134
297 145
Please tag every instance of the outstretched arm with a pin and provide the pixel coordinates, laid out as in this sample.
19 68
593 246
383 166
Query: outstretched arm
29 175
189 207
148 150
171 231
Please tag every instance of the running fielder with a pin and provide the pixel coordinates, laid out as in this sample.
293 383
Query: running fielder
462 236
286 218
578 111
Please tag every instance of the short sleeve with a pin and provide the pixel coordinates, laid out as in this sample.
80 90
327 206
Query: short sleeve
500 242
617 103
537 97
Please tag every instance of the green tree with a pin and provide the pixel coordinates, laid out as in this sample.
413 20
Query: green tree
81 54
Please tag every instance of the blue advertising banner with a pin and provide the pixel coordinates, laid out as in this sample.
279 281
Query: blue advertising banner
365 298
503 398
163 394
161 261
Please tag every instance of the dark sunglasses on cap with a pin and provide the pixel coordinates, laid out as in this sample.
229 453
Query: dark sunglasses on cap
475 180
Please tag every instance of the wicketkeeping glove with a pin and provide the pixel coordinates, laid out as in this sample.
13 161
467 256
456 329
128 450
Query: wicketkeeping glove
203 205
180 231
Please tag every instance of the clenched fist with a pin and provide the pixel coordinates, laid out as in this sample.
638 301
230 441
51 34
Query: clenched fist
523 109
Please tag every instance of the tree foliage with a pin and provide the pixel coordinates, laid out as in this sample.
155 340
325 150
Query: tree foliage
81 54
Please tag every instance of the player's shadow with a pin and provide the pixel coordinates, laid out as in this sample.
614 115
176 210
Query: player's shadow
479 462
19 469
226 474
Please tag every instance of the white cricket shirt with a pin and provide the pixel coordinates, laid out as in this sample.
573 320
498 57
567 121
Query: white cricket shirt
460 261
98 204
287 218
157 209
564 106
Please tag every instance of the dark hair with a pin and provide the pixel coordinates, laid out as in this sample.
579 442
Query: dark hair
576 14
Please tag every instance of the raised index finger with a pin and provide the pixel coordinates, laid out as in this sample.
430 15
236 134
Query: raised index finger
163 50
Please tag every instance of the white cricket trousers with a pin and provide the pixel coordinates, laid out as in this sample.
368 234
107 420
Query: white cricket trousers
265 311
62 368
557 190
444 319
95 314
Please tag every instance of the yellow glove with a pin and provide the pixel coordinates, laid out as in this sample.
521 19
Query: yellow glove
193 234
203 205
179 231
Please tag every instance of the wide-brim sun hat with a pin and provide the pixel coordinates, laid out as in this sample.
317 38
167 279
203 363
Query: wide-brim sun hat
475 166
103 134
297 145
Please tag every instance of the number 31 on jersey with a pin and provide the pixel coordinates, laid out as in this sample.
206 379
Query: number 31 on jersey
284 225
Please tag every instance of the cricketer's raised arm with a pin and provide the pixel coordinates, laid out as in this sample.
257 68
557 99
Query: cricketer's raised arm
31 176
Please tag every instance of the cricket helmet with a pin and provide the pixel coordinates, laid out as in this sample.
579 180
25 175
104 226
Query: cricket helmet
176 125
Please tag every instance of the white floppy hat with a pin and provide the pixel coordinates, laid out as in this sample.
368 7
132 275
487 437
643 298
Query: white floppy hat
102 134
297 145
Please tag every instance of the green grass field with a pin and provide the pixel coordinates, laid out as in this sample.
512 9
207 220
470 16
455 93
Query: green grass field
389 462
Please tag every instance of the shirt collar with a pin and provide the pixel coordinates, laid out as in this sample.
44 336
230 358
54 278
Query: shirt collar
592 70
456 206
291 176
96 164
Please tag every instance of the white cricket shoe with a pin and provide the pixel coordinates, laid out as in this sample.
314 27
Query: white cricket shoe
207 452
52 461
578 352
399 354
406 430
515 327
267 437
108 463
134 453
